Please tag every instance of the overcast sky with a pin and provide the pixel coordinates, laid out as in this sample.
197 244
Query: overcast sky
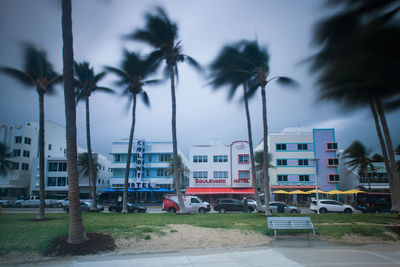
285 27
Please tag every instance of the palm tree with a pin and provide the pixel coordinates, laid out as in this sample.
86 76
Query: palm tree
377 158
37 73
84 163
132 74
5 163
76 234
181 169
259 164
230 68
86 84
162 34
258 59
359 159
358 65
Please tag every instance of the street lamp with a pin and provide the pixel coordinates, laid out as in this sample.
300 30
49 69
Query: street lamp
316 182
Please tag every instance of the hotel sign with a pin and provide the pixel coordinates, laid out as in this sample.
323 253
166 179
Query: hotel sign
139 160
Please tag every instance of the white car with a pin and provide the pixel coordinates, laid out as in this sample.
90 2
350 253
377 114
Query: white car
329 205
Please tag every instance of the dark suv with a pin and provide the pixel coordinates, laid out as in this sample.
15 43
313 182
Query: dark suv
230 204
113 200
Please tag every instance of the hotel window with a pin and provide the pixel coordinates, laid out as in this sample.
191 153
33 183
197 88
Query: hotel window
281 162
333 162
164 157
147 172
199 159
26 153
15 165
244 174
331 146
27 140
17 152
148 157
53 166
304 178
244 158
25 166
61 181
303 162
117 158
162 172
201 175
49 147
62 166
302 147
221 158
280 147
18 139
217 175
333 178
51 181
282 178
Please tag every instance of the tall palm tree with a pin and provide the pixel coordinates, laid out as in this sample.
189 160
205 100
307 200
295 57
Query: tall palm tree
132 75
37 73
258 59
86 84
259 164
84 163
181 168
358 65
5 163
377 158
230 68
162 34
359 158
76 234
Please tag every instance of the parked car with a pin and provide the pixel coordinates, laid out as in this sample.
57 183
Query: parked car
328 205
34 201
132 207
230 204
277 206
84 205
252 202
62 202
374 202
192 204
5 203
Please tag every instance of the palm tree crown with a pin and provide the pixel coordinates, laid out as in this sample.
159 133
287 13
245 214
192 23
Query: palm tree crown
5 155
83 162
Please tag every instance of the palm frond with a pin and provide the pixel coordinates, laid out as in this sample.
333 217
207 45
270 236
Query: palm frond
20 76
145 98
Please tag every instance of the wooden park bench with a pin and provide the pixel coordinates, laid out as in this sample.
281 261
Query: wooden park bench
291 223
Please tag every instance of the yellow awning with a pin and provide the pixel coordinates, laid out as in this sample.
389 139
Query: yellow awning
353 191
280 192
314 191
335 192
297 192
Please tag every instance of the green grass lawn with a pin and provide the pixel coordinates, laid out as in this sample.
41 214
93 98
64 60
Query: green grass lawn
19 234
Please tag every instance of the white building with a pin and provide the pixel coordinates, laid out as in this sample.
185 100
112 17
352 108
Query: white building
23 142
24 178
218 169
150 165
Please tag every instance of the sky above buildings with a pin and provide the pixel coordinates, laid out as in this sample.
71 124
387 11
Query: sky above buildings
285 27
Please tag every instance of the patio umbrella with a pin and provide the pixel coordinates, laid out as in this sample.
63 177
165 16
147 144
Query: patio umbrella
335 192
353 191
314 191
280 192
297 192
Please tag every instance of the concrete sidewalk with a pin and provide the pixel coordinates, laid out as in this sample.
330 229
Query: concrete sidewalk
284 252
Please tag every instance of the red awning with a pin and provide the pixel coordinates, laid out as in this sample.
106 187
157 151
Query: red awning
216 191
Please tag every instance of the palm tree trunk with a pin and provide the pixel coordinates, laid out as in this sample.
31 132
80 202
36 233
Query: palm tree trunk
250 136
92 176
42 194
182 207
392 187
266 166
76 233
128 159
389 146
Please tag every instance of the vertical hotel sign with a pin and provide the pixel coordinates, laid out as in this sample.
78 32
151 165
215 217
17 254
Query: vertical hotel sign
139 160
